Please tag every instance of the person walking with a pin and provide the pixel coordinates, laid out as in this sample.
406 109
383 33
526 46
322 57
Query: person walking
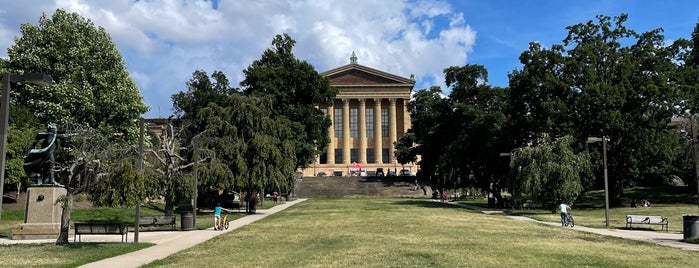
563 207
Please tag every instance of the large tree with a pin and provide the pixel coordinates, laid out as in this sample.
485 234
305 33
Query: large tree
254 150
91 84
604 80
458 136
296 89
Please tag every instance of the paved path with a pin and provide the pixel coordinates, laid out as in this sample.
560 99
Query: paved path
671 239
166 242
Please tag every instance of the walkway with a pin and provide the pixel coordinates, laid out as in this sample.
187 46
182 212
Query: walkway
166 242
670 239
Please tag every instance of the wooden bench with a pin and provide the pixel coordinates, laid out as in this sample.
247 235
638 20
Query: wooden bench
159 220
646 219
100 228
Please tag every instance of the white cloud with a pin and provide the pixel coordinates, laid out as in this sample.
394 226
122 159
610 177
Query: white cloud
163 42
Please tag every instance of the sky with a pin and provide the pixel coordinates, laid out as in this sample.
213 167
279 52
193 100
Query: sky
164 41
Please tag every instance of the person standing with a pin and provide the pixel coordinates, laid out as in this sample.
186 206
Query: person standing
563 207
275 196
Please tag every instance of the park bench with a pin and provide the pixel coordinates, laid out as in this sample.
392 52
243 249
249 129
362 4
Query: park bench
158 220
646 219
100 228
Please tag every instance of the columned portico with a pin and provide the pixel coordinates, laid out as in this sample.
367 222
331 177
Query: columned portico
369 114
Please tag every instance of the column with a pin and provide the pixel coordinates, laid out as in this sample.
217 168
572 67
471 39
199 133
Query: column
362 131
331 129
392 129
406 116
345 131
377 131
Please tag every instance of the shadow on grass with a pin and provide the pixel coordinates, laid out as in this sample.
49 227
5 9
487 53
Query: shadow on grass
427 203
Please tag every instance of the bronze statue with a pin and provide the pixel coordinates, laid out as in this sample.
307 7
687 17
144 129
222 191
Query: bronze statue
40 162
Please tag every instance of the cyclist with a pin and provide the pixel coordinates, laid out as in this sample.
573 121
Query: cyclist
217 215
563 207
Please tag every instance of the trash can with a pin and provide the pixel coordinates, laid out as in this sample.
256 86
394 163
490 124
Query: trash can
491 202
690 225
186 220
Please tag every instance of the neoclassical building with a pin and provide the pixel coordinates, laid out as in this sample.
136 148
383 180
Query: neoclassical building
368 115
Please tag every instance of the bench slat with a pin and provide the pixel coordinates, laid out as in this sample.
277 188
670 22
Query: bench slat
100 228
646 219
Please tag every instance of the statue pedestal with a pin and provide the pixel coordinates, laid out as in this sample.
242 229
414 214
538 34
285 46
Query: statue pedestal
42 216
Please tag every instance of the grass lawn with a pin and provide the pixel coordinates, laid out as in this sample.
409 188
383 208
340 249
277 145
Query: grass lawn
49 255
393 232
589 209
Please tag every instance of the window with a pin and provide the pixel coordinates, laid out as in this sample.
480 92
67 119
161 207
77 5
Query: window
338 156
385 155
370 155
353 122
338 123
370 123
384 122
323 158
354 155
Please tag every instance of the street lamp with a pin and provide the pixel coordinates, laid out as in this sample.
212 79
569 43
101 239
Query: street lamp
31 78
604 140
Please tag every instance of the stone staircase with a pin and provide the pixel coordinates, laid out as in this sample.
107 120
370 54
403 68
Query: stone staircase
335 187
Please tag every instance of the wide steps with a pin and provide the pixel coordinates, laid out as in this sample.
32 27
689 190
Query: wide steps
336 187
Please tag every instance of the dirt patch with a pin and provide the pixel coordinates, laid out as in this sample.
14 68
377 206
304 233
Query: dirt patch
11 201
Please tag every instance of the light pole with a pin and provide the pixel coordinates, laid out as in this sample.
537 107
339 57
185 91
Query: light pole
604 140
31 78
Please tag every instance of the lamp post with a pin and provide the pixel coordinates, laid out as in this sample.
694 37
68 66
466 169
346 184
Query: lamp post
604 140
31 78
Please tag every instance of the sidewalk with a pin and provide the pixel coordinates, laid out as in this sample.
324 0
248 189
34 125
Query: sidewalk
166 242
670 239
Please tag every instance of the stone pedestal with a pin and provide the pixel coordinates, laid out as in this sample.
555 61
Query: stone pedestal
42 215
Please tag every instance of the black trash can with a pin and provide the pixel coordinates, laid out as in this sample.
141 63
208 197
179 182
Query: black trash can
690 225
186 220
491 202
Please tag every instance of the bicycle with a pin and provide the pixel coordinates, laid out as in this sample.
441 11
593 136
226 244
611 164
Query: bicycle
223 223
569 222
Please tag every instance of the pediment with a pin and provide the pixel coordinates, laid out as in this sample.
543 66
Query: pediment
359 75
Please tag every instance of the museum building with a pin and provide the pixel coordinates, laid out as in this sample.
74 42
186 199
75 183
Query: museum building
369 114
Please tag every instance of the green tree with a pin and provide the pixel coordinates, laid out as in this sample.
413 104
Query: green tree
458 137
606 80
296 89
88 71
550 172
254 151
93 163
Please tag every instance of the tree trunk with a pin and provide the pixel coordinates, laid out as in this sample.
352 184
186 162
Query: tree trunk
19 189
67 205
169 208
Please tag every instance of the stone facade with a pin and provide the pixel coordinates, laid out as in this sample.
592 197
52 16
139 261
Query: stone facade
368 115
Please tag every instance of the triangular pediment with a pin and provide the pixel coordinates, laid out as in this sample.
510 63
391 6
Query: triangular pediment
359 75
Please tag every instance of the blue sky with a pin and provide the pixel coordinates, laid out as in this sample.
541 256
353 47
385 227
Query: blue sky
163 42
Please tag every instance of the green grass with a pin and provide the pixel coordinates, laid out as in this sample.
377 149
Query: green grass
73 255
392 232
589 209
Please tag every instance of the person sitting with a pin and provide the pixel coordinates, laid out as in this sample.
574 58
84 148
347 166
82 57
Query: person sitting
646 203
